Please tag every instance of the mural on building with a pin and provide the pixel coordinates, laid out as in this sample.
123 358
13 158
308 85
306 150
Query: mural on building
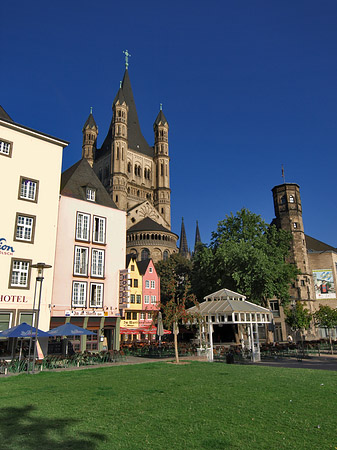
324 284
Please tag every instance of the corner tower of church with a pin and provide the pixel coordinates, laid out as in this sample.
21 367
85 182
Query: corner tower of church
137 176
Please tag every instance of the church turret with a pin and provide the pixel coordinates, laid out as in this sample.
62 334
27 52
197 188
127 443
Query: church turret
119 145
90 132
162 161
288 212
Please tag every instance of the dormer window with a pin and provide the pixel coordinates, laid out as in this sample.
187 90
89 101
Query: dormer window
91 194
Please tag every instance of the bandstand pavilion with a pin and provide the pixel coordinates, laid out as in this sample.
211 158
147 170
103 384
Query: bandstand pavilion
225 307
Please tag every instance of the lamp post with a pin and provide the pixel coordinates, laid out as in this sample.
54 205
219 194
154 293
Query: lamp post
39 279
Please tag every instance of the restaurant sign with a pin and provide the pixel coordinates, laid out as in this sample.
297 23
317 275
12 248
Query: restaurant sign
76 313
5 249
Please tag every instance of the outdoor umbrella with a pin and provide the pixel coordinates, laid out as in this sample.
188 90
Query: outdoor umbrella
160 327
69 329
22 331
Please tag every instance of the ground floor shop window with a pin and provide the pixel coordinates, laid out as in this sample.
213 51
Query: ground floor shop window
92 341
26 317
5 321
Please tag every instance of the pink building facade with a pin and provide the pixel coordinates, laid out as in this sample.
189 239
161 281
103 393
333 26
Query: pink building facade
90 252
151 291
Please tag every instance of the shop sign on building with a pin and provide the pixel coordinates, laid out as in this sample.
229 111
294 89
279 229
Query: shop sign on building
73 313
13 298
5 249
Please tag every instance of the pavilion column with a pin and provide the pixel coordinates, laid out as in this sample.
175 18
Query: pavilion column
210 332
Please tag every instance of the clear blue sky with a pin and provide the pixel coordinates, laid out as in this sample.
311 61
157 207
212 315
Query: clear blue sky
248 85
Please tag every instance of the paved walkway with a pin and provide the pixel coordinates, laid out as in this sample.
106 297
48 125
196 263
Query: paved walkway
326 362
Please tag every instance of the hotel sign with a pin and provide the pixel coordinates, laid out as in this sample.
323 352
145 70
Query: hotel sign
13 299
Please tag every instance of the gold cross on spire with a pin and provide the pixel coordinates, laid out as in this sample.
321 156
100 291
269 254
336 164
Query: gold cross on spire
127 54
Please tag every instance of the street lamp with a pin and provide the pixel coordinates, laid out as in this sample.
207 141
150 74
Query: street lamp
40 268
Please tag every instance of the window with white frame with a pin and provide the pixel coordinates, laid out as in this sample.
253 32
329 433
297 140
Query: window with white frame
97 263
150 269
147 284
79 294
81 260
153 299
5 148
132 298
153 284
142 316
5 320
28 189
146 299
149 316
91 194
96 295
24 228
98 232
82 226
20 271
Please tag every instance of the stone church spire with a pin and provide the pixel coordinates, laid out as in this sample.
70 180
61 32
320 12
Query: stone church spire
197 236
183 246
90 132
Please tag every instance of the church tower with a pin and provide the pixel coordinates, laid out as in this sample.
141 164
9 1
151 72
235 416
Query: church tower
162 160
137 175
119 130
288 212
183 246
90 132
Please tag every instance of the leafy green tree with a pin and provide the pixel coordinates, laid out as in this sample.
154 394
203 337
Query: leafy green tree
326 317
248 256
176 270
175 293
298 318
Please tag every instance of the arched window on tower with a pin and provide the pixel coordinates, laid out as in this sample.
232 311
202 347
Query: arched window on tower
161 169
165 255
129 167
145 254
291 199
117 153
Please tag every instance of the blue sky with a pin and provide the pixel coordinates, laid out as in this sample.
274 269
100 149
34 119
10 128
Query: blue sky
250 85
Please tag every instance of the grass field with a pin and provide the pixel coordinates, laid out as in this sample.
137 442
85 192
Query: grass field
164 406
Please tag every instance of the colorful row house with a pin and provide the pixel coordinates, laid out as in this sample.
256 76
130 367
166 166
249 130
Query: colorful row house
142 300
90 251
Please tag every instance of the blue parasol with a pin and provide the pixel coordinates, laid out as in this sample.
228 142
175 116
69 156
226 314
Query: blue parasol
22 331
69 329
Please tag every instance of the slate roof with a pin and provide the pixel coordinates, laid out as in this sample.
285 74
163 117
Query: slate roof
143 265
90 123
148 224
160 118
129 258
4 115
314 245
79 176
136 140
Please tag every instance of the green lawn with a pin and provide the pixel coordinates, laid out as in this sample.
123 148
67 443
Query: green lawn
164 406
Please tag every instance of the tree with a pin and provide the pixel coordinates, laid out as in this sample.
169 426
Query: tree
176 268
248 256
298 318
326 317
175 293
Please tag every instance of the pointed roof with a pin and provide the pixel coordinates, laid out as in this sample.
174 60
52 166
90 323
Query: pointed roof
183 247
314 245
136 140
90 122
130 257
197 236
160 119
148 224
78 177
4 115
143 265
119 97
